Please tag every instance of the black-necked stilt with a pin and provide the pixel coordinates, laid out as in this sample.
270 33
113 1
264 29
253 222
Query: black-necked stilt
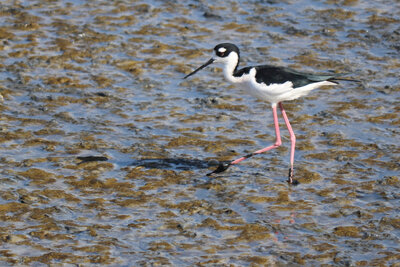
269 83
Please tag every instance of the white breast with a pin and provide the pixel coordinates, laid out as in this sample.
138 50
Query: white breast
269 93
274 93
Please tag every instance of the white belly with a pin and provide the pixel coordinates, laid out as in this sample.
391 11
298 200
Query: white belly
272 93
275 93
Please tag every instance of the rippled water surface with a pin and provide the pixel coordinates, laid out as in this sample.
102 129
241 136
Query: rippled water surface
87 79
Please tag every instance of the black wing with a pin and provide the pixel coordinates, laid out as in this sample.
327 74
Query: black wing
271 74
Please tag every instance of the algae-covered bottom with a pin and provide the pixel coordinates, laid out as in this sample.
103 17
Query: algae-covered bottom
104 149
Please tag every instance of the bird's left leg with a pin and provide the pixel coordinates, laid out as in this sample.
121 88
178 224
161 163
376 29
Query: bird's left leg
292 145
222 167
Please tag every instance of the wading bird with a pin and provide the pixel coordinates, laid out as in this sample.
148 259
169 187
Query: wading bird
271 84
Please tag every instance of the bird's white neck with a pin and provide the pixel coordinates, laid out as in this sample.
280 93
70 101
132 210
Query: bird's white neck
230 64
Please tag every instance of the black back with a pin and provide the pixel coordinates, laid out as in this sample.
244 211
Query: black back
271 74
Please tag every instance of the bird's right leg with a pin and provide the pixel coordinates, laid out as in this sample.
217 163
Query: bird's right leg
222 167
292 146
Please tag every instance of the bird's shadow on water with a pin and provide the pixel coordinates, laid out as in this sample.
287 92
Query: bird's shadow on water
182 164
174 163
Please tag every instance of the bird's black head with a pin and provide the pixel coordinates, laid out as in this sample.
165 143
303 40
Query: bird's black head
224 49
222 52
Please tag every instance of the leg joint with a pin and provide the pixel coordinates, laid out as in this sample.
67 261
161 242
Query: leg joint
278 143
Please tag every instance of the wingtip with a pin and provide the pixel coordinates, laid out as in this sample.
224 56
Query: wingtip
336 79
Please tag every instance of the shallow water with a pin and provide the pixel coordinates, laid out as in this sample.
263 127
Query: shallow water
104 78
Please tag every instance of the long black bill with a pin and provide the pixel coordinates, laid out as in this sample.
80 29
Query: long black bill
200 68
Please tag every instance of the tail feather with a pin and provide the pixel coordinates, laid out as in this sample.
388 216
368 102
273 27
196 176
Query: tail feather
335 79
330 78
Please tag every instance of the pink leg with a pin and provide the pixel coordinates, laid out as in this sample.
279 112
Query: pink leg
292 146
278 142
222 167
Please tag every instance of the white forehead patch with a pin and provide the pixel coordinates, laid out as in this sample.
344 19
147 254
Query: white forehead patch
222 49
